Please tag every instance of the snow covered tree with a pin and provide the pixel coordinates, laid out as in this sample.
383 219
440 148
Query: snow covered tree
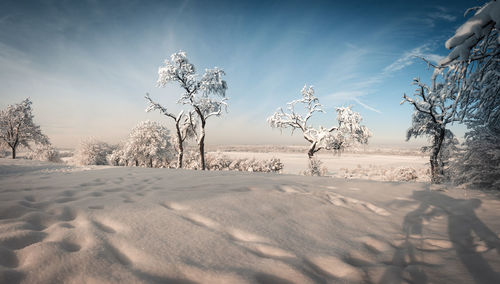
148 144
185 126
17 127
206 95
348 131
433 112
470 74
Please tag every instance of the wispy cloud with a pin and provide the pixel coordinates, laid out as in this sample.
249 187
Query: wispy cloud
409 57
365 105
363 87
442 16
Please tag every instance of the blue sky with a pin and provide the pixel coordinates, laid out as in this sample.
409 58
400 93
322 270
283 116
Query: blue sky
88 64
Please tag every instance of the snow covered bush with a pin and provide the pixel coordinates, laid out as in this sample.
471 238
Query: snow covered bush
478 164
348 132
373 172
44 152
148 145
405 174
315 168
220 162
205 95
17 127
92 152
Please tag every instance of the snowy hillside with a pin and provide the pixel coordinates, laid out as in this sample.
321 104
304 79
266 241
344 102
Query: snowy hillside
136 225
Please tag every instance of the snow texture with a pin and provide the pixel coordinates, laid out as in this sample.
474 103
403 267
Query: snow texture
136 225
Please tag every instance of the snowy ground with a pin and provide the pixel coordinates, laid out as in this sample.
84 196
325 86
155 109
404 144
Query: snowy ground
61 224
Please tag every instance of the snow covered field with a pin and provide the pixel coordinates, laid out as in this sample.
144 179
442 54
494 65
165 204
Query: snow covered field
62 224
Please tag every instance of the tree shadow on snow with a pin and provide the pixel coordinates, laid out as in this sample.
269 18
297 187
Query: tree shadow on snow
463 224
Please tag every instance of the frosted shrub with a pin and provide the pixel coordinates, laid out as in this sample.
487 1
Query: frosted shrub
315 168
92 152
273 165
3 151
405 174
117 157
45 153
478 164
219 162
191 160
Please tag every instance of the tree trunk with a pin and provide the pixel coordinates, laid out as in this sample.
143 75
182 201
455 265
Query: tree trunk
180 147
13 152
201 144
180 155
436 169
311 151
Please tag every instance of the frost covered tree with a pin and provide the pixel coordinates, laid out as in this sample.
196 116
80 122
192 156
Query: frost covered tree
206 95
17 127
348 131
148 144
472 72
433 111
185 126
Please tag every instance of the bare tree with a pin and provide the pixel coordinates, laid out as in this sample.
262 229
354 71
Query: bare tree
185 126
338 137
17 127
207 96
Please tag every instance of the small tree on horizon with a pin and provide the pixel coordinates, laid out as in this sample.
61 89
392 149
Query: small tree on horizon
17 127
207 96
348 131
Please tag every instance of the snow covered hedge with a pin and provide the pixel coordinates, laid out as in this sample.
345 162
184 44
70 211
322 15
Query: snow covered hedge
220 162
45 153
372 172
